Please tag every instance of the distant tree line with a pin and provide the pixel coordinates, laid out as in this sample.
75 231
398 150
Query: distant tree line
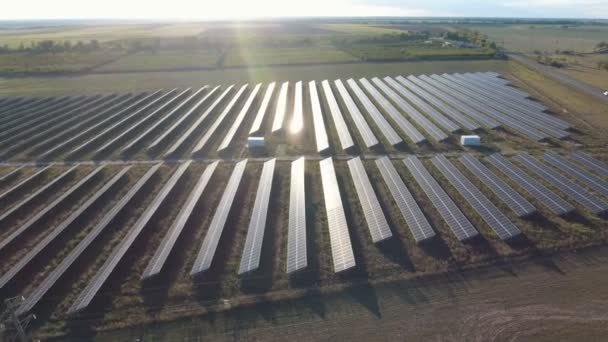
51 46
470 36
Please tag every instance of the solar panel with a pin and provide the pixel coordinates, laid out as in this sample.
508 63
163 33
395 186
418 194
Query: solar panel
84 132
23 118
317 119
574 191
502 190
456 103
25 182
297 120
81 127
259 117
86 296
33 110
279 114
505 120
385 127
218 121
12 173
428 126
239 119
505 111
507 102
250 259
452 113
58 230
167 133
418 224
296 232
346 141
38 217
547 197
455 219
159 123
502 226
502 83
376 222
44 189
597 184
196 124
412 133
62 125
597 166
125 120
437 117
341 248
369 139
164 249
51 279
212 239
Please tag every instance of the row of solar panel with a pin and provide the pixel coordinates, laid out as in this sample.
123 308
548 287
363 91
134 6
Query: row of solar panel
580 168
417 106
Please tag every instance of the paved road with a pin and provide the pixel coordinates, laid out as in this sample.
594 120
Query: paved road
584 87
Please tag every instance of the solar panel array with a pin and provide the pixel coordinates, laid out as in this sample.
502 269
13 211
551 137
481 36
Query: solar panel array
458 223
369 139
296 231
573 190
416 221
547 197
376 222
281 109
317 119
502 190
239 119
259 117
341 248
346 141
86 296
216 227
597 166
502 226
594 183
250 259
297 119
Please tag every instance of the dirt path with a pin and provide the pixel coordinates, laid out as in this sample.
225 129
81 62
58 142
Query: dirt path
561 298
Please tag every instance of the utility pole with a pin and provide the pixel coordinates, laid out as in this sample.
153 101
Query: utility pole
12 328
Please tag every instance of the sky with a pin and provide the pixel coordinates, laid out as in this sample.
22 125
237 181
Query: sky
244 9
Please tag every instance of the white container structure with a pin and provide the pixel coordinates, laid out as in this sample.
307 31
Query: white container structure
470 140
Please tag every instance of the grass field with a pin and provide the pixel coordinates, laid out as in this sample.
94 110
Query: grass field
527 38
284 56
163 60
55 62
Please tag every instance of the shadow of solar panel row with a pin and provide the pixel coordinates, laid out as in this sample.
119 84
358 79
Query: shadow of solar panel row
428 126
296 229
547 197
502 226
59 271
66 224
317 119
346 141
376 222
250 260
86 296
594 183
514 107
464 122
369 139
163 251
259 117
341 248
236 124
573 190
280 109
456 103
406 127
455 219
216 227
126 134
502 190
437 117
503 119
416 221
38 218
385 127
597 166
499 107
